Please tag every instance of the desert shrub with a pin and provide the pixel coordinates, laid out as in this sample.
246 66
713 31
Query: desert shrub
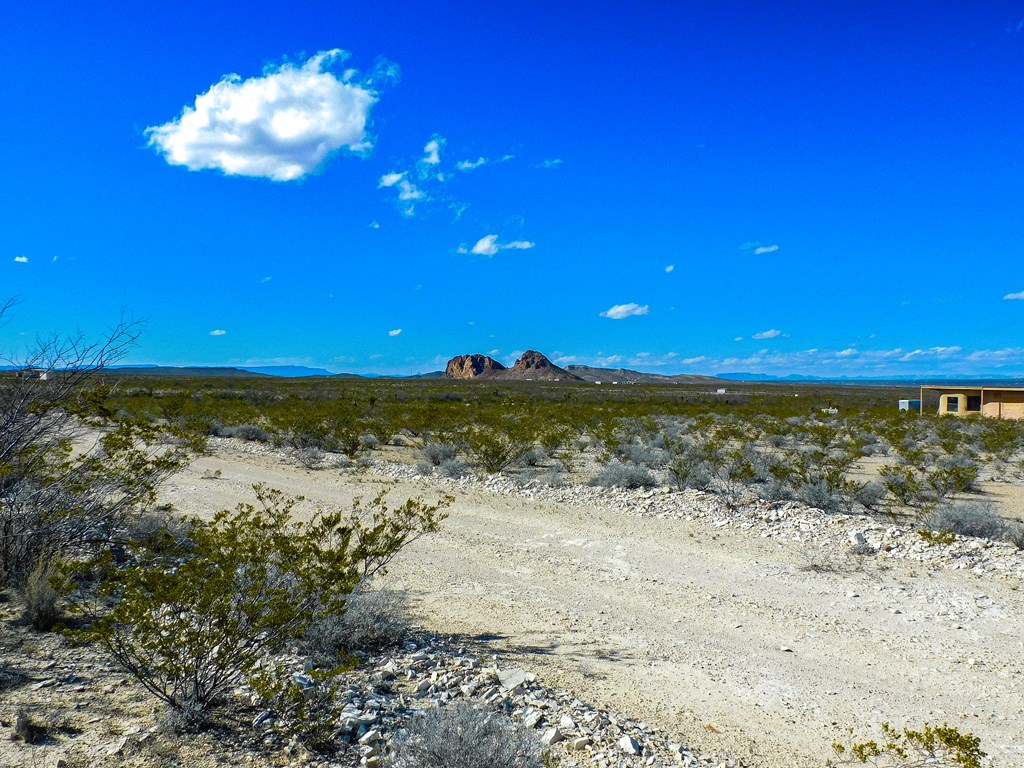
953 474
374 619
870 495
940 746
41 597
1015 534
438 453
308 707
621 475
687 466
463 736
159 531
309 456
191 630
821 495
248 432
494 446
27 728
644 455
455 468
967 519
533 457
369 442
773 490
902 483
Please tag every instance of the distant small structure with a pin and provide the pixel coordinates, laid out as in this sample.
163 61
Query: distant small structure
720 391
995 402
910 405
32 373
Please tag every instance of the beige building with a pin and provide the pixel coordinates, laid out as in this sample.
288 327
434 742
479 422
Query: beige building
998 402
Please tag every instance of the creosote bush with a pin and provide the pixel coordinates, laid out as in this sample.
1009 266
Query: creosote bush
191 629
938 746
461 735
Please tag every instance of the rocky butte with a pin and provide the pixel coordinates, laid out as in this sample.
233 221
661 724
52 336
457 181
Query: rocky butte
532 366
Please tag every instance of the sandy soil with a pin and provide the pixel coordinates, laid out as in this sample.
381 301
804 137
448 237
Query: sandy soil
724 638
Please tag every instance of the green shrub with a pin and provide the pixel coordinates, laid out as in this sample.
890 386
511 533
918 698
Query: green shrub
190 630
939 746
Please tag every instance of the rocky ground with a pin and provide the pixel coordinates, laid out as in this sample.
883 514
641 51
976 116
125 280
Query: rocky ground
752 637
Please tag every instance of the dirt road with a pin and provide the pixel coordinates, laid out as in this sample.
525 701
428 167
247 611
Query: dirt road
738 644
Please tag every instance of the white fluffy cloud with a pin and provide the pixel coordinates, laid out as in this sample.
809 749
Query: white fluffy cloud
670 268
432 150
488 245
769 334
1018 296
395 332
281 126
21 259
765 249
622 311
218 332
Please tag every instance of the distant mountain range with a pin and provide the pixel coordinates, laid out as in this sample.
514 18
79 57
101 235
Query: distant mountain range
535 366
627 376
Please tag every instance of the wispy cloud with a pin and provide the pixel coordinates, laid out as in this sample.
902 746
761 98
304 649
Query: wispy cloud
930 361
374 225
408 193
282 125
622 311
21 259
471 165
670 268
218 332
395 332
931 353
266 279
1015 296
759 249
488 245
553 162
769 334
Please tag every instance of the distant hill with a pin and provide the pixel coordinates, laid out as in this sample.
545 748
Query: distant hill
532 366
290 371
170 370
627 376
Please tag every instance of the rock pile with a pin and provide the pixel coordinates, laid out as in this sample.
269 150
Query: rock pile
379 700
788 520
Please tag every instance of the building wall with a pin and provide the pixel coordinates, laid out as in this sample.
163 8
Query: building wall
1006 405
997 404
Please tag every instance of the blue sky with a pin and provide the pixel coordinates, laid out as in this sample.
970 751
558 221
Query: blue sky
819 188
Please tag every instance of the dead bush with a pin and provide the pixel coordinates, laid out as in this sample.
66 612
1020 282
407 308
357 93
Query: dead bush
41 597
462 735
